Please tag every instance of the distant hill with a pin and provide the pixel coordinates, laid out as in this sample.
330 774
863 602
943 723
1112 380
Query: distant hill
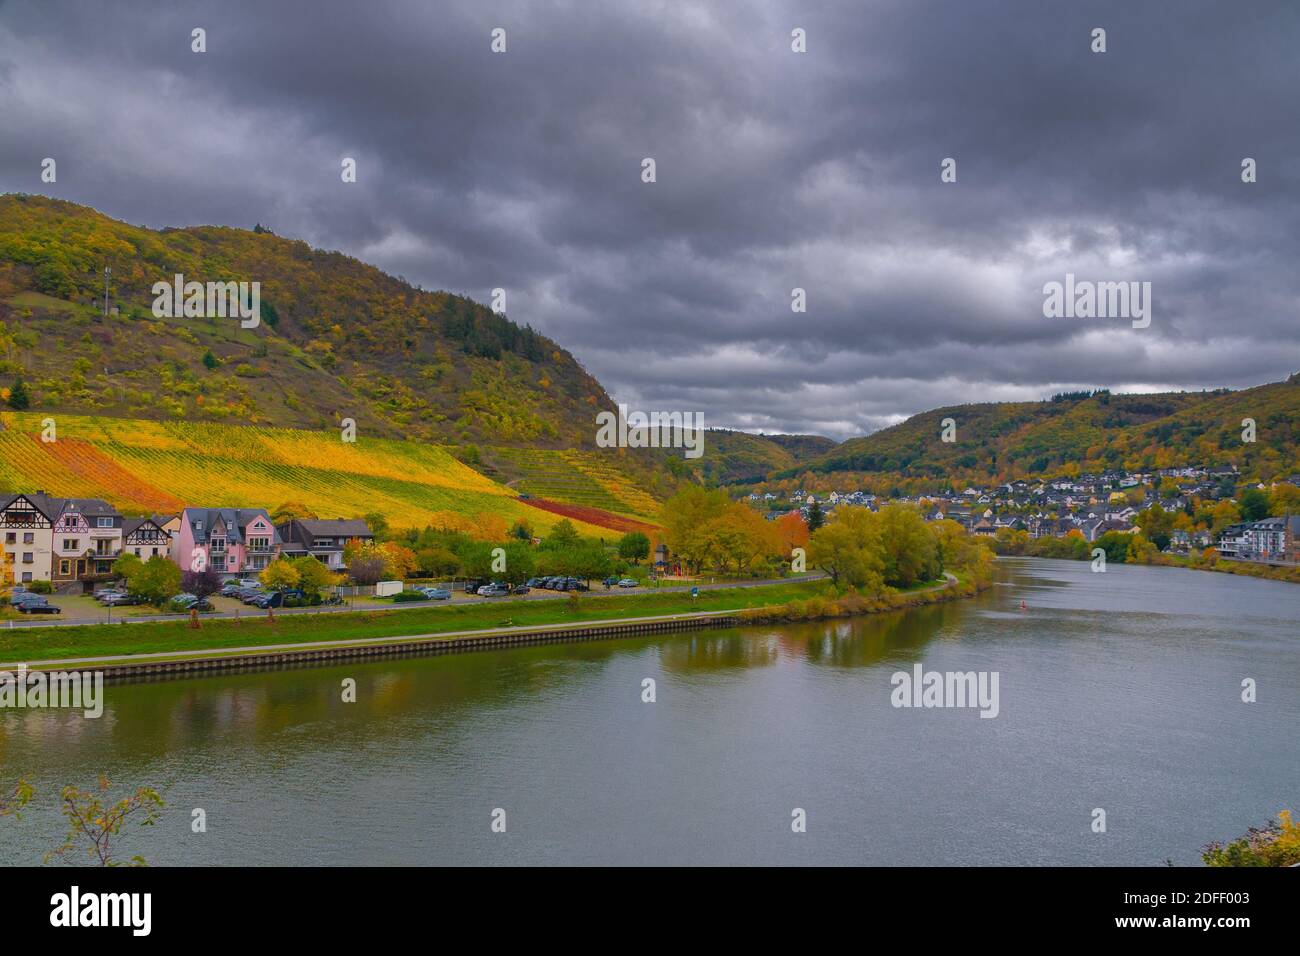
733 457
339 339
1088 432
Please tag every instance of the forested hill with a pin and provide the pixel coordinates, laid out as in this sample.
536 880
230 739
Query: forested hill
1083 432
339 338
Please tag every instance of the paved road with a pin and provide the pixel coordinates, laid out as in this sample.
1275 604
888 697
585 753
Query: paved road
457 598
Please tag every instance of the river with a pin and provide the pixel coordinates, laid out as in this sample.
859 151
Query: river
1120 691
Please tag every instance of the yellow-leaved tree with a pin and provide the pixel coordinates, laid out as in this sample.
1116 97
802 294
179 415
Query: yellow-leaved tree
6 573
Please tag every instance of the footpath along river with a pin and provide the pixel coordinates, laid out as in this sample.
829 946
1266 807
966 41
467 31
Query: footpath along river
1119 690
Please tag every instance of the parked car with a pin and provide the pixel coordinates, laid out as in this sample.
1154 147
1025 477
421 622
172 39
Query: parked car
627 583
610 581
38 606
269 600
493 590
534 582
520 589
436 594
472 586
107 594
121 600
188 602
574 584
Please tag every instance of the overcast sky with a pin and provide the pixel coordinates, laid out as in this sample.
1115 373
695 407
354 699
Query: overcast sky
775 170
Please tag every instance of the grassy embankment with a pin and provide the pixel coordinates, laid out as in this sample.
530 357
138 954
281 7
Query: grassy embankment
805 600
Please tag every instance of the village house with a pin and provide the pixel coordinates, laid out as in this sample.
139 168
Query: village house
230 540
27 522
323 540
85 540
146 538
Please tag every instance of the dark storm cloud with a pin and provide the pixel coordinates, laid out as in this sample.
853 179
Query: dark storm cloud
775 170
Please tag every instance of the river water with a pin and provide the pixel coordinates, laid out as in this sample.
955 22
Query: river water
1119 691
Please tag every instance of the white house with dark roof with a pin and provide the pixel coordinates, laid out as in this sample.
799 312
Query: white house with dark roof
322 539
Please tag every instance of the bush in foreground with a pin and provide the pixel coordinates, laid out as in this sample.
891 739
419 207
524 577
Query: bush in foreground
1277 844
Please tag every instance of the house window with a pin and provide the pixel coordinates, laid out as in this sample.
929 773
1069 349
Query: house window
28 537
70 544
27 576
137 552
11 538
27 558
65 568
104 522
155 552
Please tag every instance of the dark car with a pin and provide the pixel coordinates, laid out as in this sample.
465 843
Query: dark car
534 582
40 606
610 581
472 586
493 590
270 600
576 585
520 589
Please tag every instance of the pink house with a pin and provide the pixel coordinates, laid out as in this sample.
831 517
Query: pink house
236 541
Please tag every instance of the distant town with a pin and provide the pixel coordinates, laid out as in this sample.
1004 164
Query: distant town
1184 510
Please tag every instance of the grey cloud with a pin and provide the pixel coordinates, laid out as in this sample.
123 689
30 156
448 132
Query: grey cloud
775 170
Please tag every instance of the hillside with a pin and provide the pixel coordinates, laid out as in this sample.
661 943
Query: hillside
144 467
1003 441
339 339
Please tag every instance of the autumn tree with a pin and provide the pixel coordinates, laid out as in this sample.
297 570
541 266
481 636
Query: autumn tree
848 549
792 531
313 576
157 580
909 550
281 574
